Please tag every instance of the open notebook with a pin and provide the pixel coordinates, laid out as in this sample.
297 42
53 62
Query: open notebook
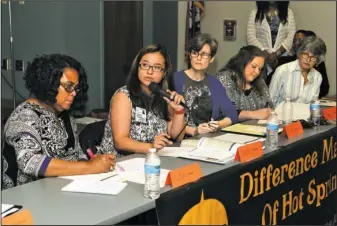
206 149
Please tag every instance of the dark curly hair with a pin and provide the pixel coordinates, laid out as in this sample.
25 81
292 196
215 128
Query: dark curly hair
263 6
43 76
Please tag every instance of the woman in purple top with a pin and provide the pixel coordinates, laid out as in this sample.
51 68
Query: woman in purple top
209 107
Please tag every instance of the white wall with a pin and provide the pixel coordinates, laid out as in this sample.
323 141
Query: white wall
319 16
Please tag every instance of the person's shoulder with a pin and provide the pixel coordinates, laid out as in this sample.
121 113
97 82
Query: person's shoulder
124 90
178 73
25 117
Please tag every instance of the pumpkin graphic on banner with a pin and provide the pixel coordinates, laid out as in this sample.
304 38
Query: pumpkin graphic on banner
206 212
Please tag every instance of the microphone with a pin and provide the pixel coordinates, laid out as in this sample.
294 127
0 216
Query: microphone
155 88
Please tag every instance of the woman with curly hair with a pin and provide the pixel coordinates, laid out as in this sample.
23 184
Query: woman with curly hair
40 134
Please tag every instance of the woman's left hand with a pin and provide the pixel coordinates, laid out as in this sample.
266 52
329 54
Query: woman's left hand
214 125
175 101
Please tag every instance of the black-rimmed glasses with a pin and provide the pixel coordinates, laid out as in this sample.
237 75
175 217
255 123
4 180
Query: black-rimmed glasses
203 55
155 68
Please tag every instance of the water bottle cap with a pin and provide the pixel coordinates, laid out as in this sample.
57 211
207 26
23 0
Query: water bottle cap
152 150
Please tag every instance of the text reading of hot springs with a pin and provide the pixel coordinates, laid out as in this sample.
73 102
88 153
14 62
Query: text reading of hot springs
267 177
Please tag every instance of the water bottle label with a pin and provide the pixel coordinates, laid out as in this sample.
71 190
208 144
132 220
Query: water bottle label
314 106
272 127
151 169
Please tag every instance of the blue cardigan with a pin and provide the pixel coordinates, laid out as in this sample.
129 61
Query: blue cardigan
222 106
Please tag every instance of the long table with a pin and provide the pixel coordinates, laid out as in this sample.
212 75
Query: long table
49 205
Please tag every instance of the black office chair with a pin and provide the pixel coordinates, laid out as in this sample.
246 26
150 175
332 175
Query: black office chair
91 136
8 153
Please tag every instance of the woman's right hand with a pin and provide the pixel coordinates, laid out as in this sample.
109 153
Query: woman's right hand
102 163
161 140
264 113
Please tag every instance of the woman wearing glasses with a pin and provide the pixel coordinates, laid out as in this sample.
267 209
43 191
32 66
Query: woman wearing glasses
139 119
40 134
206 99
299 80
243 78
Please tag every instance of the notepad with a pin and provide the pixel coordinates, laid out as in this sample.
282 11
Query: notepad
247 129
95 187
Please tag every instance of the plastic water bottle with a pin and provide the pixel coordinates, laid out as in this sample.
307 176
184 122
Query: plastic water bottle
315 112
272 132
152 175
287 111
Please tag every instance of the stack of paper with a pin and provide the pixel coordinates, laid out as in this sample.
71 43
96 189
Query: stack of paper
247 129
300 111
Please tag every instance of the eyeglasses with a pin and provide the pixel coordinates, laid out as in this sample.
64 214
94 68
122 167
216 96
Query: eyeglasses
155 68
69 87
203 55
311 58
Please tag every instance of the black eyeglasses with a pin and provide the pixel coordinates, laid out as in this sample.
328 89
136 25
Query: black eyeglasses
203 55
155 68
311 58
69 87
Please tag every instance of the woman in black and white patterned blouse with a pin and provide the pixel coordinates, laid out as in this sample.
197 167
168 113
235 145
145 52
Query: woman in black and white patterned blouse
40 134
243 78
139 119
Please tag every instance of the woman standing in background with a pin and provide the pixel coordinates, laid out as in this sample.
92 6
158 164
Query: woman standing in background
271 27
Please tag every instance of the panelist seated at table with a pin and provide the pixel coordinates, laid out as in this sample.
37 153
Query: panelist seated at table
140 119
243 77
40 134
209 108
299 80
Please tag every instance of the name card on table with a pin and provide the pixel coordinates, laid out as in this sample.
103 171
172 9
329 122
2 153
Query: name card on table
329 113
292 130
249 152
184 175
22 217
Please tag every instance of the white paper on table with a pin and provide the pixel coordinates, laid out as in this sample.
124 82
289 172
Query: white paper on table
135 164
327 103
91 177
139 176
5 207
264 121
95 187
87 120
238 138
174 151
300 111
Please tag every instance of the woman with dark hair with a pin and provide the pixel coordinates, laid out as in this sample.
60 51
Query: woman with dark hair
299 80
243 79
40 134
139 119
271 27
206 99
